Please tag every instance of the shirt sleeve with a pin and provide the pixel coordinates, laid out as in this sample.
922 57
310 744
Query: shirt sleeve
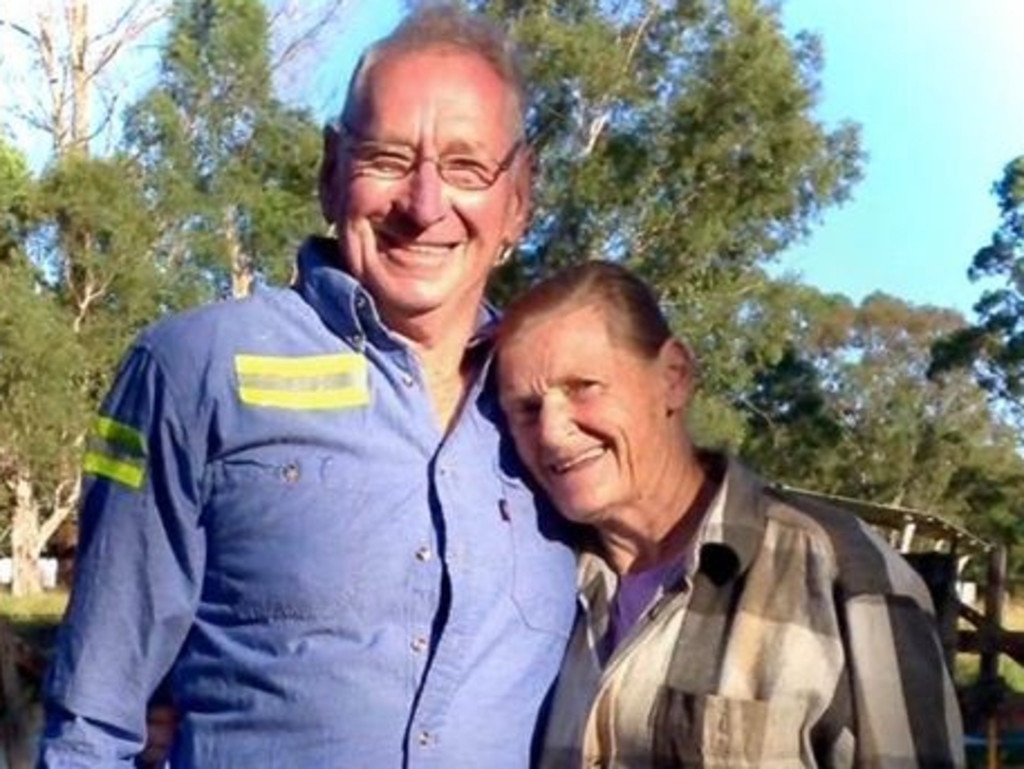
905 711
138 572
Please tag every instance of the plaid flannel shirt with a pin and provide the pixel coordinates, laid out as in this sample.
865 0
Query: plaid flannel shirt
799 639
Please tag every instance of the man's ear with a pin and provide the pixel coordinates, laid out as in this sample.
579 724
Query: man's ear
679 373
328 184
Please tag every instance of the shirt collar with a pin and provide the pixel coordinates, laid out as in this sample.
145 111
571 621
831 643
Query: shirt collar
348 309
726 543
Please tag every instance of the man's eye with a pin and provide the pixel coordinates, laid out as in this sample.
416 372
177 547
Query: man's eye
526 413
465 171
583 388
386 163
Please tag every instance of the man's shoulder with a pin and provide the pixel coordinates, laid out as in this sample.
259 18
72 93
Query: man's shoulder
861 558
210 328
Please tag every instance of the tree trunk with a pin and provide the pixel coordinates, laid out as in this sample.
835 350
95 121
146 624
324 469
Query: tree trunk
241 264
25 544
78 41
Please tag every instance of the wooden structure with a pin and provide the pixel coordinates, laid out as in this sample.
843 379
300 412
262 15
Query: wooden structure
939 550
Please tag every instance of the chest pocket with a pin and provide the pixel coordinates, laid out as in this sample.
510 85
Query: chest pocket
707 731
285 537
543 566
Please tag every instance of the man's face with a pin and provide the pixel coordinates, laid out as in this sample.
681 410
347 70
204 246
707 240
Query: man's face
592 420
419 244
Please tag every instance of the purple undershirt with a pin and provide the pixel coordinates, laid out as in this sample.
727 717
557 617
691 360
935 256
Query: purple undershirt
634 596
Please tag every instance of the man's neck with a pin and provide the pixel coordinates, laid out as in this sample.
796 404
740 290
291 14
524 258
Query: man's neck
447 367
666 523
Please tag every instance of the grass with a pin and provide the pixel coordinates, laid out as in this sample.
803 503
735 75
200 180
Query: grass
34 618
966 666
45 607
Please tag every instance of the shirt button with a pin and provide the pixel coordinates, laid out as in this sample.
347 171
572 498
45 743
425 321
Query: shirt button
423 554
408 380
424 738
419 643
290 472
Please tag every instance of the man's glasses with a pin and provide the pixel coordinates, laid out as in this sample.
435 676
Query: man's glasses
394 162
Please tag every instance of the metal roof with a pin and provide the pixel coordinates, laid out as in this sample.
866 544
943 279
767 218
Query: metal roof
910 524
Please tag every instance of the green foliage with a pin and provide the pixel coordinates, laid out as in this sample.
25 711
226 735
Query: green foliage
40 405
16 199
994 346
229 171
849 409
211 189
678 138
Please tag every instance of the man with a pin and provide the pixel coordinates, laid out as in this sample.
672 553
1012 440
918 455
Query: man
723 623
298 505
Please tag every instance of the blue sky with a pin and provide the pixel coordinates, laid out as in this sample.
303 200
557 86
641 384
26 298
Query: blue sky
935 87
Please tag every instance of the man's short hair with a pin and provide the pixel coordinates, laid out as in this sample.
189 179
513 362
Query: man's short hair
441 25
631 308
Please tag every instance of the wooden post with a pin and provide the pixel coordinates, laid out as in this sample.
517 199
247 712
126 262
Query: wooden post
995 593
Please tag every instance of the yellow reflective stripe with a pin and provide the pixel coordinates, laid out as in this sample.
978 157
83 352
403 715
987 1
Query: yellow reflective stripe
120 435
315 399
305 366
304 382
128 473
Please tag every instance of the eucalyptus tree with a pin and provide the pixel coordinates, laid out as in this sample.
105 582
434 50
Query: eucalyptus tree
229 169
681 138
993 347
850 409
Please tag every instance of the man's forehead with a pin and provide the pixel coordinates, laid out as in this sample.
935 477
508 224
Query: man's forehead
563 320
456 81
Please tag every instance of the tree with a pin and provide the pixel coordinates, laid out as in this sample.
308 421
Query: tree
228 168
99 246
849 409
678 138
37 414
994 346
72 65
71 87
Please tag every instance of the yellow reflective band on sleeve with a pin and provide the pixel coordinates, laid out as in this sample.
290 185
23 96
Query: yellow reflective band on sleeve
310 382
123 471
117 452
125 438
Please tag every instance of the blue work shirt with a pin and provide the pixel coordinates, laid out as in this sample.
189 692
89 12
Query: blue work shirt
273 517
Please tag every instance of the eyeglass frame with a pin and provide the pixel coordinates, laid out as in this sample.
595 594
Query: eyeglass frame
417 158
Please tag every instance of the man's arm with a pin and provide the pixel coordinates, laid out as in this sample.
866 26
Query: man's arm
137 574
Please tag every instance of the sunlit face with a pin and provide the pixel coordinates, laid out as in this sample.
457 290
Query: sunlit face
421 245
594 422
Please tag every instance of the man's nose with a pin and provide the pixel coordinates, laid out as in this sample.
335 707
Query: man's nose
555 424
426 201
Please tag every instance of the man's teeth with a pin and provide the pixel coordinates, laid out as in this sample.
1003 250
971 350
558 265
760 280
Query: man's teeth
428 250
586 456
421 249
